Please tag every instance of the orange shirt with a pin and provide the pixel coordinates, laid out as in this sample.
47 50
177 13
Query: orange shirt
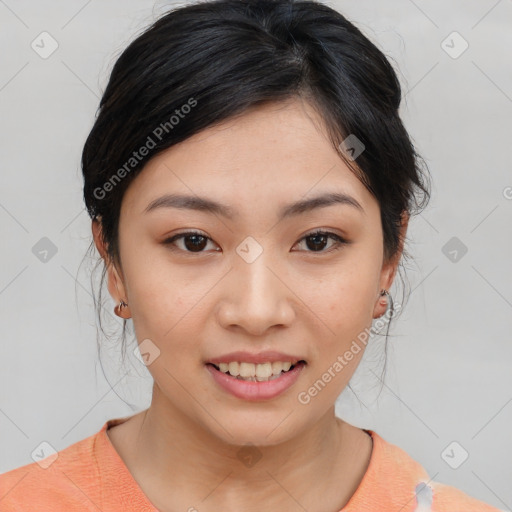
91 476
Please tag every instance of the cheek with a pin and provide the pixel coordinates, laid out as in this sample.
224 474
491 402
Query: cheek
346 299
345 304
166 307
155 300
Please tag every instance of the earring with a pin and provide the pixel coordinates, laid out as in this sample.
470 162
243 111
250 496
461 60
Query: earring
117 310
385 300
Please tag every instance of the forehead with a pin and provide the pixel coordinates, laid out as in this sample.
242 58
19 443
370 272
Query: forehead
270 154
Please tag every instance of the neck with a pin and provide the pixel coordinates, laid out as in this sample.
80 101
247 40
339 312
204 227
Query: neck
178 462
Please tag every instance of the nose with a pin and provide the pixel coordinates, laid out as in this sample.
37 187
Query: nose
257 297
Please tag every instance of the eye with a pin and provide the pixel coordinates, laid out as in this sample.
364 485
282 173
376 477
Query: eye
318 240
193 241
196 241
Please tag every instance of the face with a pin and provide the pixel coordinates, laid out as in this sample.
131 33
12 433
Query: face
251 275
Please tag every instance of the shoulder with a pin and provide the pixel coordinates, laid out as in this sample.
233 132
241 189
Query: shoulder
64 480
395 480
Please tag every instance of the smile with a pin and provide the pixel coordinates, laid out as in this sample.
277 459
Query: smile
256 372
250 381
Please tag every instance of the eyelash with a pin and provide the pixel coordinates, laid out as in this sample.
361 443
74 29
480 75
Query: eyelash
340 241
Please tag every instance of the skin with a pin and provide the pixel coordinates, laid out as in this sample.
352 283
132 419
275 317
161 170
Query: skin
293 298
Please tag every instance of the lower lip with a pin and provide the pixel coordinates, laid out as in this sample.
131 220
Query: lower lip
249 390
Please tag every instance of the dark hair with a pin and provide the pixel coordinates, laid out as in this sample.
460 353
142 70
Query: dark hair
206 62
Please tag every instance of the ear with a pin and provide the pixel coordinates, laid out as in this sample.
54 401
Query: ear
115 283
390 268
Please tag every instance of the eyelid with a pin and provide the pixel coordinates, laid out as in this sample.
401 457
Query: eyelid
325 231
170 241
183 233
340 240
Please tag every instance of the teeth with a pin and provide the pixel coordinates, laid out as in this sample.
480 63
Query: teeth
247 370
255 372
286 366
263 371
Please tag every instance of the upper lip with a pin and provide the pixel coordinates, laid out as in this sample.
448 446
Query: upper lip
261 357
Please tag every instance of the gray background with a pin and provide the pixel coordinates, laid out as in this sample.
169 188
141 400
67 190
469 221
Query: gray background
449 364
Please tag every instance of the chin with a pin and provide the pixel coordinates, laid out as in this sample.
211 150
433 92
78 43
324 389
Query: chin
254 429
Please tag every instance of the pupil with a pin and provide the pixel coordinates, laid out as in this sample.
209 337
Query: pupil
196 245
316 237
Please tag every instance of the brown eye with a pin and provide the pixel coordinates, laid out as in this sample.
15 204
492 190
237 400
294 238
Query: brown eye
191 241
318 240
195 242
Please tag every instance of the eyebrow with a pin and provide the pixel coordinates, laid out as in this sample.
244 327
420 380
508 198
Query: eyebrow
186 202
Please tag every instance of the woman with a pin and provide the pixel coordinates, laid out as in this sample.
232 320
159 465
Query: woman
250 184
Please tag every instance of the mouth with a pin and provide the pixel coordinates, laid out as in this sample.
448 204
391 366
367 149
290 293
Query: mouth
262 372
256 382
